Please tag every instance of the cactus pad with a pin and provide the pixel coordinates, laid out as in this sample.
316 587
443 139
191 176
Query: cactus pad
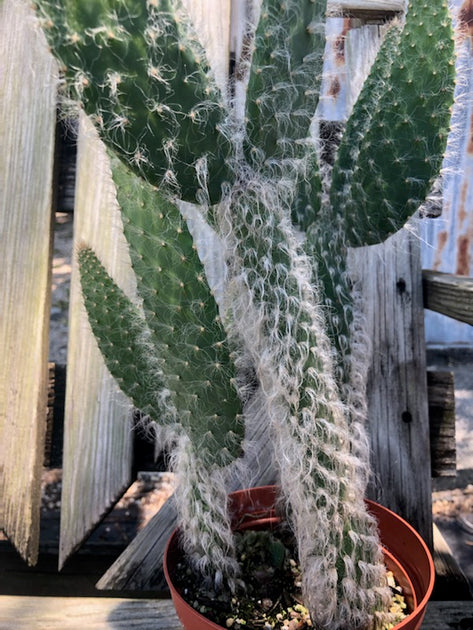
396 136
182 315
143 78
285 76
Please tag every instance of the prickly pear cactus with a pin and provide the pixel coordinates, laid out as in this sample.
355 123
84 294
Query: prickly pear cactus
284 79
139 71
289 316
396 136
171 357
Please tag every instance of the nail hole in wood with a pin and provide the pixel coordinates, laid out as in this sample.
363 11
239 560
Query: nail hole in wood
406 417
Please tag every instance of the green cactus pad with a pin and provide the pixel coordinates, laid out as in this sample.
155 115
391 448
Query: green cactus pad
327 249
182 316
307 200
396 136
285 77
118 327
146 83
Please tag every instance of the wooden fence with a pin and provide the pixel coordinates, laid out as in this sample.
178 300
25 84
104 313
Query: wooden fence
97 454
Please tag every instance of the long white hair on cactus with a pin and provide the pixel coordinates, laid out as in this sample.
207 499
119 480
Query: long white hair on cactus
202 497
276 311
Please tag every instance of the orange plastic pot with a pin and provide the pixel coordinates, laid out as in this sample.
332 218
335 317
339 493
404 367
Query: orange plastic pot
405 554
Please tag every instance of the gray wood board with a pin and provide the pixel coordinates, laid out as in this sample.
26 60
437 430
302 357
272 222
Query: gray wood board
97 455
441 392
450 580
449 294
93 613
27 134
397 388
71 613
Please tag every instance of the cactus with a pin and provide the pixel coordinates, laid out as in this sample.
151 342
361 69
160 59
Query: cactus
172 359
284 79
142 76
288 309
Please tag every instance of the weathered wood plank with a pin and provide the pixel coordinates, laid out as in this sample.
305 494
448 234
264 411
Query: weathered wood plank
94 613
450 581
365 9
98 418
397 388
27 133
449 294
366 5
211 19
441 395
70 613
448 616
140 566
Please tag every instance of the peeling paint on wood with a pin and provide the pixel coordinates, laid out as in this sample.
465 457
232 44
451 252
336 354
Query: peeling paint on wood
469 146
350 50
339 43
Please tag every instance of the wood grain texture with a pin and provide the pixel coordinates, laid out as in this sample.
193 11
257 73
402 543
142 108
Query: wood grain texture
211 19
365 7
450 581
449 616
397 388
27 132
71 613
98 418
441 394
449 294
93 613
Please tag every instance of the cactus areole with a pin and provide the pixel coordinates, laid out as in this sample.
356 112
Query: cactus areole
285 328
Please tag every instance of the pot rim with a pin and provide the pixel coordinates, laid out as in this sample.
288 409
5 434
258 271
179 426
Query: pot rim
375 508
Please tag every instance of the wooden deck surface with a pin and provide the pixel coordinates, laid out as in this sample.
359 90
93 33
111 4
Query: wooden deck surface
102 613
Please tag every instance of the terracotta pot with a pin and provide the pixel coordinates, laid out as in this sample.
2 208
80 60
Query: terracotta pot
405 554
